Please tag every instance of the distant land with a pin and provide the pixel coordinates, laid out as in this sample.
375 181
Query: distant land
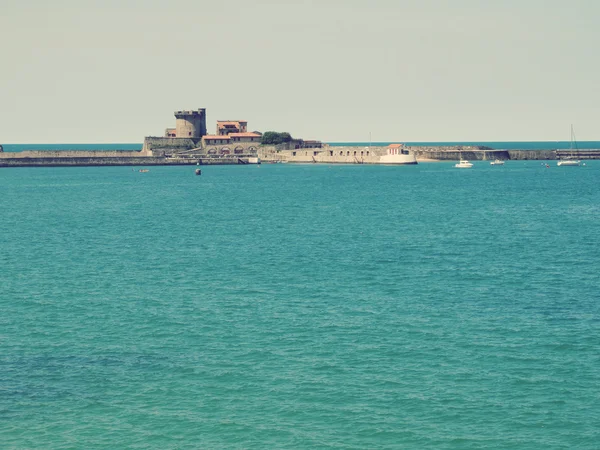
497 145
507 145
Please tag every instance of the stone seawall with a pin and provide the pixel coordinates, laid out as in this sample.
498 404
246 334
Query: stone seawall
72 154
334 155
455 154
159 146
517 155
92 161
554 154
125 161
327 155
524 155
372 154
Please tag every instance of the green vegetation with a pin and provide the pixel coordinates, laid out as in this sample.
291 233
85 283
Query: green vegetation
274 138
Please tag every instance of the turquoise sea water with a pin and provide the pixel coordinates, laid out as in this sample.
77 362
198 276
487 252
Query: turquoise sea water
300 306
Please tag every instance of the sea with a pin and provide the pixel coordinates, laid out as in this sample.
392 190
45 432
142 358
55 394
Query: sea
292 306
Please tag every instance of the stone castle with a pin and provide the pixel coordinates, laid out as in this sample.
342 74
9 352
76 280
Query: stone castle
190 138
189 143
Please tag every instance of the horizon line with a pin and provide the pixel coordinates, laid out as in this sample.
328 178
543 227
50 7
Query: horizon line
324 141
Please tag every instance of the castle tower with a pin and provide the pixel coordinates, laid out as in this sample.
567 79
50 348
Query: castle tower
190 124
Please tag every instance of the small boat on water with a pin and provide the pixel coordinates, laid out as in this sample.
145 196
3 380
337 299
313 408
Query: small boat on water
463 164
497 162
144 170
198 172
570 160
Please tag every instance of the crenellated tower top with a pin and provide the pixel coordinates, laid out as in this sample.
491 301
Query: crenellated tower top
190 124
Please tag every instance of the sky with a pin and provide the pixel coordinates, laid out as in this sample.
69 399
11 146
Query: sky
334 70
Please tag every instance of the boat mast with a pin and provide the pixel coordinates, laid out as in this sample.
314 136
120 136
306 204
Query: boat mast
571 143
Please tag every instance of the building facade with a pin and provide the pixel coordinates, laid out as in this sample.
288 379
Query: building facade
225 127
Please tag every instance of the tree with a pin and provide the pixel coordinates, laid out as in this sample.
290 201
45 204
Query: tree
274 138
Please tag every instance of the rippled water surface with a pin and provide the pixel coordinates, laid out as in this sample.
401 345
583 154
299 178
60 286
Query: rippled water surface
300 306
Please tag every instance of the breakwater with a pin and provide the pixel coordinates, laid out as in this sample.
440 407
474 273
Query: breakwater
372 154
67 158
89 161
327 155
554 154
70 157
78 158
453 154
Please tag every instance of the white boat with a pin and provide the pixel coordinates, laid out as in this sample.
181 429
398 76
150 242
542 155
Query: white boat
497 162
463 164
570 160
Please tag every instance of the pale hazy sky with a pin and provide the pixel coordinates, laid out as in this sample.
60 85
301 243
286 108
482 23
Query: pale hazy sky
335 70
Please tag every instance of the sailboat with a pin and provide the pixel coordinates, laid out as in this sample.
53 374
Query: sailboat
570 161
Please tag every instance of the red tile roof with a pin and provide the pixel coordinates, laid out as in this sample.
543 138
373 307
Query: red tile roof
208 136
395 145
247 134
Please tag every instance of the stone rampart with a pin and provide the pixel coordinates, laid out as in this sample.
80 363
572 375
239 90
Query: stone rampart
233 148
334 155
532 154
92 161
372 154
554 154
271 153
454 154
39 154
160 146
579 154
327 155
